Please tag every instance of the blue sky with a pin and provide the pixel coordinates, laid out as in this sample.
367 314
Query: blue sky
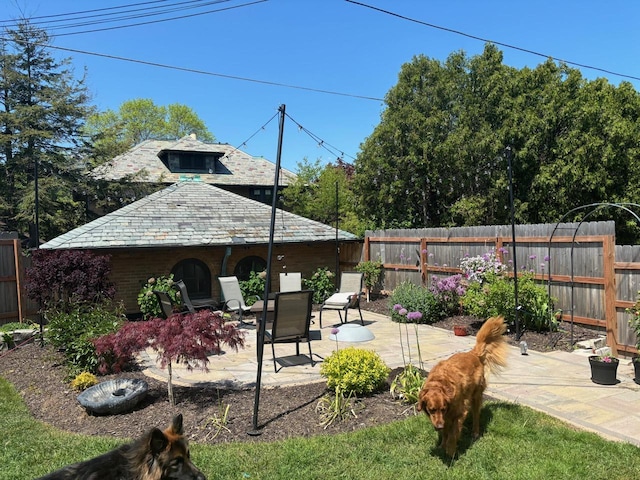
332 45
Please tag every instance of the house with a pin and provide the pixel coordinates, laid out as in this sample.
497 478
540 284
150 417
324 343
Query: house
165 162
199 232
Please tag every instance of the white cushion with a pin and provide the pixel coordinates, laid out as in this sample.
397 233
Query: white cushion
339 298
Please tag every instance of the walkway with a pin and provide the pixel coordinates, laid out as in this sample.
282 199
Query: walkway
556 383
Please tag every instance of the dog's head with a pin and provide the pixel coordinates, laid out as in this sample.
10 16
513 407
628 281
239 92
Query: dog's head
170 453
434 401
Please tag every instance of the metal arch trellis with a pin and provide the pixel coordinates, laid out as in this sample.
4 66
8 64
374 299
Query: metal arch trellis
595 208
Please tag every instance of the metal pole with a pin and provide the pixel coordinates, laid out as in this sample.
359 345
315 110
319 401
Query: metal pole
513 242
337 242
262 321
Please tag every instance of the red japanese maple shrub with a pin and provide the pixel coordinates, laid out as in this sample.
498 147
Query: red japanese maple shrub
182 338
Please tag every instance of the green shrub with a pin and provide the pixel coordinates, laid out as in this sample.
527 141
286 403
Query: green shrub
372 273
414 298
354 370
11 326
407 384
148 302
496 296
83 381
322 283
72 332
253 289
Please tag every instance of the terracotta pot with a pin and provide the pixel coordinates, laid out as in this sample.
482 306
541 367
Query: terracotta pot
460 330
603 373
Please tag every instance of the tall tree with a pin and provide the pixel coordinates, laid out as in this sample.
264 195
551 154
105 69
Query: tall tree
325 194
113 133
437 156
42 111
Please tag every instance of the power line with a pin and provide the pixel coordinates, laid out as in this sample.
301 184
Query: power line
203 72
150 22
485 40
128 14
79 15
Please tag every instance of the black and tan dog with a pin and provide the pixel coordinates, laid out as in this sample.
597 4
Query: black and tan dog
157 455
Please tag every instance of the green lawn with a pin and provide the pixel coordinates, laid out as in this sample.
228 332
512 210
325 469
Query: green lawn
518 443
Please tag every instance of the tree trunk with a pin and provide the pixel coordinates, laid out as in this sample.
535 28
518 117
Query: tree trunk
172 400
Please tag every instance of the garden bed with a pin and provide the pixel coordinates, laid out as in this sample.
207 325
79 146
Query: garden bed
38 375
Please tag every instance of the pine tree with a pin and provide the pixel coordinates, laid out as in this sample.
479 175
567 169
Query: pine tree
42 110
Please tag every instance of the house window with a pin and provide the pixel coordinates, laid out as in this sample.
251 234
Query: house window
264 194
196 276
192 162
249 264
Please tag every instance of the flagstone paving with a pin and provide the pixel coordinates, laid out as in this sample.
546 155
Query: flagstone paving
557 383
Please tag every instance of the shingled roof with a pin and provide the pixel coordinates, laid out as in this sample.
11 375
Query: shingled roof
238 167
194 214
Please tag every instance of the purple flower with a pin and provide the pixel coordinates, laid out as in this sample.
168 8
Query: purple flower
424 250
402 311
414 316
546 258
335 331
397 307
532 257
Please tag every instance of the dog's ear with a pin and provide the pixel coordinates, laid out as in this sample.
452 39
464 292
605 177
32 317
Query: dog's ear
422 401
176 425
449 390
158 441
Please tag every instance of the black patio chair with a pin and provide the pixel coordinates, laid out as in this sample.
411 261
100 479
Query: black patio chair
167 306
193 305
291 321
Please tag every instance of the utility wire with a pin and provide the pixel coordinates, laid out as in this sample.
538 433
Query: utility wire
123 9
150 22
131 15
201 72
485 40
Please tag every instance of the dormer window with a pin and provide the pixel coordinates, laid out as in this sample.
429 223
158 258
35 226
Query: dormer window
191 162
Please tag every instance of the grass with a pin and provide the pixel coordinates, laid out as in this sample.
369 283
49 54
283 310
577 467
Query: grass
518 443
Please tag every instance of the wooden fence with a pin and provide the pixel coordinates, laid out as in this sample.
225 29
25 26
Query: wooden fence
14 305
593 280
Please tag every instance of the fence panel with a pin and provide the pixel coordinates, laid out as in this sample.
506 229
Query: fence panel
571 259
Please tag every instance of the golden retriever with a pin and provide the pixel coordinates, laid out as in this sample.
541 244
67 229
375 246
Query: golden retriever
455 385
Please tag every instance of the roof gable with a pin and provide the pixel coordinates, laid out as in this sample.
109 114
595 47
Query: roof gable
194 214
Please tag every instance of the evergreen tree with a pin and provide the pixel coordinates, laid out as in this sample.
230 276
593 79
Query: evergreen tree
42 109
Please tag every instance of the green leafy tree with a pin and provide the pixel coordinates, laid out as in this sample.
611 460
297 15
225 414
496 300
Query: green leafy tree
42 111
313 195
437 158
113 133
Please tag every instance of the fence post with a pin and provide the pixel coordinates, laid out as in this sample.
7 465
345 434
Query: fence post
609 273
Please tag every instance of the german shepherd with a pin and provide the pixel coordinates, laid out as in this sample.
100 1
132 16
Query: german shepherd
157 455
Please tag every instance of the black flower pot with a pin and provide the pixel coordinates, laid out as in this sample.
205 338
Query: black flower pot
636 368
603 373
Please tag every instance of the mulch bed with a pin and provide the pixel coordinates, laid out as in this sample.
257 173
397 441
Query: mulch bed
39 376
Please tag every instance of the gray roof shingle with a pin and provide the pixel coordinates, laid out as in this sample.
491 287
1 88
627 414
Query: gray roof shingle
239 167
194 214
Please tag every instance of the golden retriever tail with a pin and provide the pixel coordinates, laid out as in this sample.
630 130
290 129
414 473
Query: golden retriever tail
491 346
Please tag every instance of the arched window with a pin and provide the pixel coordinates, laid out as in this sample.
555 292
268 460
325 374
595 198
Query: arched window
196 276
249 264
